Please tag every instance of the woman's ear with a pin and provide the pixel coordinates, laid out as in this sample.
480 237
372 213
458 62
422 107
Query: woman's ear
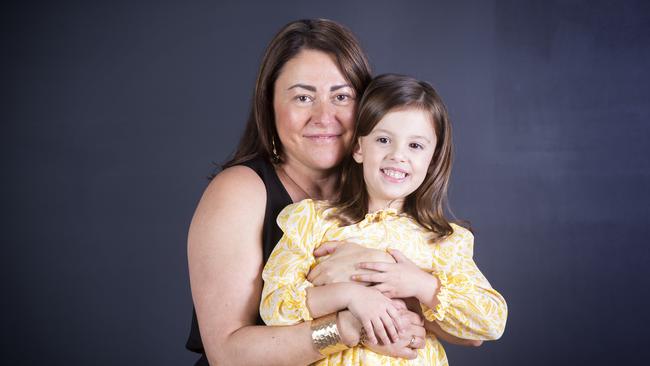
357 155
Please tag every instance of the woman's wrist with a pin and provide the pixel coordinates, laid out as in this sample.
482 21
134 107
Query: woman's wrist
325 335
349 328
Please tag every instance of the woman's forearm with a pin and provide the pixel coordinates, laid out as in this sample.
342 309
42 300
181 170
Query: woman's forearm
265 345
280 345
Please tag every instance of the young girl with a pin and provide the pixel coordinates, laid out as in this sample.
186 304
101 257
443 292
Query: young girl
393 187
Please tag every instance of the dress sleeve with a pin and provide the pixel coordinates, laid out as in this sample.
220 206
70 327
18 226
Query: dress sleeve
468 307
285 273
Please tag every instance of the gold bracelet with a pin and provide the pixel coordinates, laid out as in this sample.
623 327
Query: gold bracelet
325 335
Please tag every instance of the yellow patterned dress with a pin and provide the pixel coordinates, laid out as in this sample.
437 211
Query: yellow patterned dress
469 307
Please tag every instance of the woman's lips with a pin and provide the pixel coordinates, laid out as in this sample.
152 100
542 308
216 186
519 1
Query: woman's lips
323 138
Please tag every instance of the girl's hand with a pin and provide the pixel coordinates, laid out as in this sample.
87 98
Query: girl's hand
379 315
343 256
399 280
412 338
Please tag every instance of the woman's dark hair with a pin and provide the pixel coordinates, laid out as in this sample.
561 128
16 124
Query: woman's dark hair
313 34
387 93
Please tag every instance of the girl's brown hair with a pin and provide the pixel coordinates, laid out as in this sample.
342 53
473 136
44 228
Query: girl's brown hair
387 93
314 34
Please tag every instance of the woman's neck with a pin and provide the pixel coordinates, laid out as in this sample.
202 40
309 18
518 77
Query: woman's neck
302 182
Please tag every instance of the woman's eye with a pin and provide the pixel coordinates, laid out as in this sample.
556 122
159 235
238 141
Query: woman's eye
303 98
415 145
383 140
342 97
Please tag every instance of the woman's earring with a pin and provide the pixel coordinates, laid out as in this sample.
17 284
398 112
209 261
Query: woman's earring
276 157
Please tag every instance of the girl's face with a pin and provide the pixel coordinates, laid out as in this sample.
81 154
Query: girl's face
314 111
395 156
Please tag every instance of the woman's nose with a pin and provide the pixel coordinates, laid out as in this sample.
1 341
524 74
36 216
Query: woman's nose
323 113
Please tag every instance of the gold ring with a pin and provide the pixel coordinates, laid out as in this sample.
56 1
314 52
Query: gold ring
412 341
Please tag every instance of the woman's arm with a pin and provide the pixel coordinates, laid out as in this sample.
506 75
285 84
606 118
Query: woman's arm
225 263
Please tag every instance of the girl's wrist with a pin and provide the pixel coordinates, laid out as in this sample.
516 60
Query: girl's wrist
428 293
350 291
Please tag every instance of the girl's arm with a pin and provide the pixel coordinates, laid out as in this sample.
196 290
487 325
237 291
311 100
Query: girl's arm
467 305
289 298
460 299
225 263
340 265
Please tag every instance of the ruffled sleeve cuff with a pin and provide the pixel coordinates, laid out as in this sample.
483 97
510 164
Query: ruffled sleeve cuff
449 284
295 302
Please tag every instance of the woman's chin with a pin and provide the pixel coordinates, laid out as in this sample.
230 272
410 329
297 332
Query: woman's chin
327 162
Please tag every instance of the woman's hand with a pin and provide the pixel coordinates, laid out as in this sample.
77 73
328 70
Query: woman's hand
399 280
343 257
378 314
411 339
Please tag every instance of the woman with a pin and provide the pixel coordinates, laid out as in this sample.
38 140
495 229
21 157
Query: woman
300 125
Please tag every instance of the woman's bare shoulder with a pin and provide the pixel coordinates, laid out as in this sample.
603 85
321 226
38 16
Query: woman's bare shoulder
236 186
235 196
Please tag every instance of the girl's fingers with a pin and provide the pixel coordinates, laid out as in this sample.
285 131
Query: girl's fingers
380 331
389 324
395 317
375 266
370 332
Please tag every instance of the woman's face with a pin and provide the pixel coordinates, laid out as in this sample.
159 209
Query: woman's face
314 111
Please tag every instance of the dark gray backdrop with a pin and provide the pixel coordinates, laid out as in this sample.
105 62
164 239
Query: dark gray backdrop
114 111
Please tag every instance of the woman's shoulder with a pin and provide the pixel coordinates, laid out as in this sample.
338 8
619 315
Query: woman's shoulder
237 187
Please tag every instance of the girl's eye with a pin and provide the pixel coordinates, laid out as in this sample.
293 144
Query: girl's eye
383 140
415 145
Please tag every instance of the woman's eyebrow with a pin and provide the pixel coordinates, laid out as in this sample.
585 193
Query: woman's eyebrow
313 88
304 86
337 87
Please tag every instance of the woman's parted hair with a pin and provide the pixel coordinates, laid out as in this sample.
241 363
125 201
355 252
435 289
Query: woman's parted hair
314 34
386 93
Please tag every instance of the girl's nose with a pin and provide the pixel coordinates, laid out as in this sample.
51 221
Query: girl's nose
397 154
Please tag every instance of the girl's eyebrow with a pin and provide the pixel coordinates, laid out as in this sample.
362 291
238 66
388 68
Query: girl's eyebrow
411 137
420 137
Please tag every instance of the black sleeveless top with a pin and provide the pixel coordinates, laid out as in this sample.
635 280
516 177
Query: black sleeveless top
277 198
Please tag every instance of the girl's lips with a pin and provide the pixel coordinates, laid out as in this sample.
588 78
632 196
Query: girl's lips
394 175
